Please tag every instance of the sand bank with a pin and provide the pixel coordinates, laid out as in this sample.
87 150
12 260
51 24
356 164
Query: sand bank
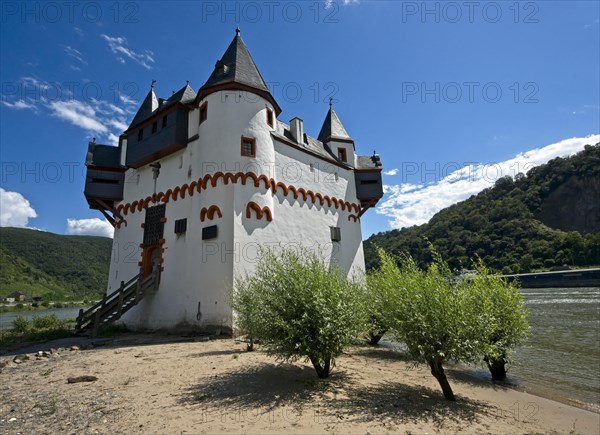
153 384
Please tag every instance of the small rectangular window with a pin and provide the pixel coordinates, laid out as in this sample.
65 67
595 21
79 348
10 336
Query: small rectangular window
180 226
209 232
140 134
336 234
203 112
369 181
164 121
342 154
248 147
154 127
270 118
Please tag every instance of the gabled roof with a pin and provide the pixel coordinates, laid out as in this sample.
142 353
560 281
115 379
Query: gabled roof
149 105
332 128
237 67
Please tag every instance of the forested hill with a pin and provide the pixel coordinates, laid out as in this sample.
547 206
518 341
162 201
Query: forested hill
53 266
549 217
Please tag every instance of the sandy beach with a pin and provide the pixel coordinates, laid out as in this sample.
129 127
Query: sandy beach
170 385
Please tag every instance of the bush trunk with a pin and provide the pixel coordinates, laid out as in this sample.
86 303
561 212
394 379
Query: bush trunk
438 372
497 367
322 367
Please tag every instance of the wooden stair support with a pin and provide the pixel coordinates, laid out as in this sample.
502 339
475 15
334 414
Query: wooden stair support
114 305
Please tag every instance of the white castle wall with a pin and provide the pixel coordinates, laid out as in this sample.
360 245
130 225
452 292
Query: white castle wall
198 274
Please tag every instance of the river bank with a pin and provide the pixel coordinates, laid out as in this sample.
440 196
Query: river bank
151 384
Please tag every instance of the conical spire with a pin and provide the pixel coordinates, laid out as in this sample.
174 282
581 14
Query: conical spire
332 128
149 105
237 67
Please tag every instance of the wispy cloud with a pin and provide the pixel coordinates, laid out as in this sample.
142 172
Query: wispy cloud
329 3
15 210
592 24
118 46
89 227
79 114
414 204
19 105
99 117
75 54
391 172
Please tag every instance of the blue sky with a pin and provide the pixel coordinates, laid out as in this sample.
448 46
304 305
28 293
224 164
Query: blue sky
452 95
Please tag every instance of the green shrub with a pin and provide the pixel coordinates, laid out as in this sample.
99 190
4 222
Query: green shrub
46 322
379 289
505 318
21 324
300 308
441 319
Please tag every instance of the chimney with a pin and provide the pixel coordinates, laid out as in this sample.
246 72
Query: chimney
297 130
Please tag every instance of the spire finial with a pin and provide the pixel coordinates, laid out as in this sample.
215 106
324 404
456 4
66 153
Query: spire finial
187 82
237 31
330 102
152 84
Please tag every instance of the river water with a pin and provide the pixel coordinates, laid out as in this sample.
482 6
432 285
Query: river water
6 319
562 355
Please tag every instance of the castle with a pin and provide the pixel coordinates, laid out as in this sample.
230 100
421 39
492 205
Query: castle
200 180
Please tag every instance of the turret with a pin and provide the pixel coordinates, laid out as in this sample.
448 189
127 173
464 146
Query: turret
334 136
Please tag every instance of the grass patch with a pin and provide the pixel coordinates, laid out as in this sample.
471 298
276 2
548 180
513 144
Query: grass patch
39 329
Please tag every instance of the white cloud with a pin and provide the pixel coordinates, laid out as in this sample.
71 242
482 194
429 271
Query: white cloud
20 104
118 46
414 204
100 117
75 54
127 100
79 114
15 210
391 172
592 24
329 3
89 227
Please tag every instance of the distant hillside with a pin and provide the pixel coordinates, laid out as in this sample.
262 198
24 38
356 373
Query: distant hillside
54 266
551 216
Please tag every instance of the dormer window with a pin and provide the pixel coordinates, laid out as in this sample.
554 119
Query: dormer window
203 112
164 121
270 118
342 154
154 127
221 68
248 147
140 134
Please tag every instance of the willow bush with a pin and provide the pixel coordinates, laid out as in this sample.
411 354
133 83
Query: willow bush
299 308
441 319
505 314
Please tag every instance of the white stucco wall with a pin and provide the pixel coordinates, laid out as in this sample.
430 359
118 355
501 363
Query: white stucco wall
198 274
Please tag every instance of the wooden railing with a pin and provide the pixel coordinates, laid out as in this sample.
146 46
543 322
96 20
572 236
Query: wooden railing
114 305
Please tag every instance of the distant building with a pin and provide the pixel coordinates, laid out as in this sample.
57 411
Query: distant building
17 296
201 179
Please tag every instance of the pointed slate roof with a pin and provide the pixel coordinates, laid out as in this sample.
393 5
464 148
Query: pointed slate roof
237 67
185 95
333 129
149 105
